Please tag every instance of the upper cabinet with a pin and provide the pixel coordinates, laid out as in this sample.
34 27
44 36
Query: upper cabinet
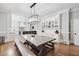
52 23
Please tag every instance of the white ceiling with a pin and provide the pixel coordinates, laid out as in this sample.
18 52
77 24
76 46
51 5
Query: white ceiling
41 8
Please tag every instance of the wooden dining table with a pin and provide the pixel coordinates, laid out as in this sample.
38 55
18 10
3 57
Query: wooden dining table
37 41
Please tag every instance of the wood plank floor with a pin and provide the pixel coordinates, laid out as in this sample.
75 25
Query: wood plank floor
64 50
9 49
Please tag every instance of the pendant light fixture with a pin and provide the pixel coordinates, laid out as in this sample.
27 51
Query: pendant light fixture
33 16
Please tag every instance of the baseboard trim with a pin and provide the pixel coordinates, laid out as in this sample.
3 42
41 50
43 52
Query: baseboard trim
8 42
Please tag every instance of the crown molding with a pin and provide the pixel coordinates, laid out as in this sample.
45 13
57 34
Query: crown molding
75 9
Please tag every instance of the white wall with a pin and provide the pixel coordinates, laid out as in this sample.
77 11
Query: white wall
65 27
17 20
74 17
14 26
5 23
69 19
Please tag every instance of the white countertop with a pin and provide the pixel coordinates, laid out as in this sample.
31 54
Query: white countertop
37 40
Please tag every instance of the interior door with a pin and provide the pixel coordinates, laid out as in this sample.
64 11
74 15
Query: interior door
76 32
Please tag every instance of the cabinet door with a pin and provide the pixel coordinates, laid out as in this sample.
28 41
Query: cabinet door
76 32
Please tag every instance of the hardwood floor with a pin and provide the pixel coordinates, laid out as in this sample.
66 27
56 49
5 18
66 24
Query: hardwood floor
64 50
9 49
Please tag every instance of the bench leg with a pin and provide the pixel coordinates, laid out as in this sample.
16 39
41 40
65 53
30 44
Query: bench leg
41 52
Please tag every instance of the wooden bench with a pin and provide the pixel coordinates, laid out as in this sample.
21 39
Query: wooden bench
24 50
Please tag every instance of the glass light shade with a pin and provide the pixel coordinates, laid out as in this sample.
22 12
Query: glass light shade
33 18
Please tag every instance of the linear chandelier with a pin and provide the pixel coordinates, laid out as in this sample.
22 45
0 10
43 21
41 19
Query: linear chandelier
34 16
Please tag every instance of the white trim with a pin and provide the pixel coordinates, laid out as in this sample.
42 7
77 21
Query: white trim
75 9
57 13
62 11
